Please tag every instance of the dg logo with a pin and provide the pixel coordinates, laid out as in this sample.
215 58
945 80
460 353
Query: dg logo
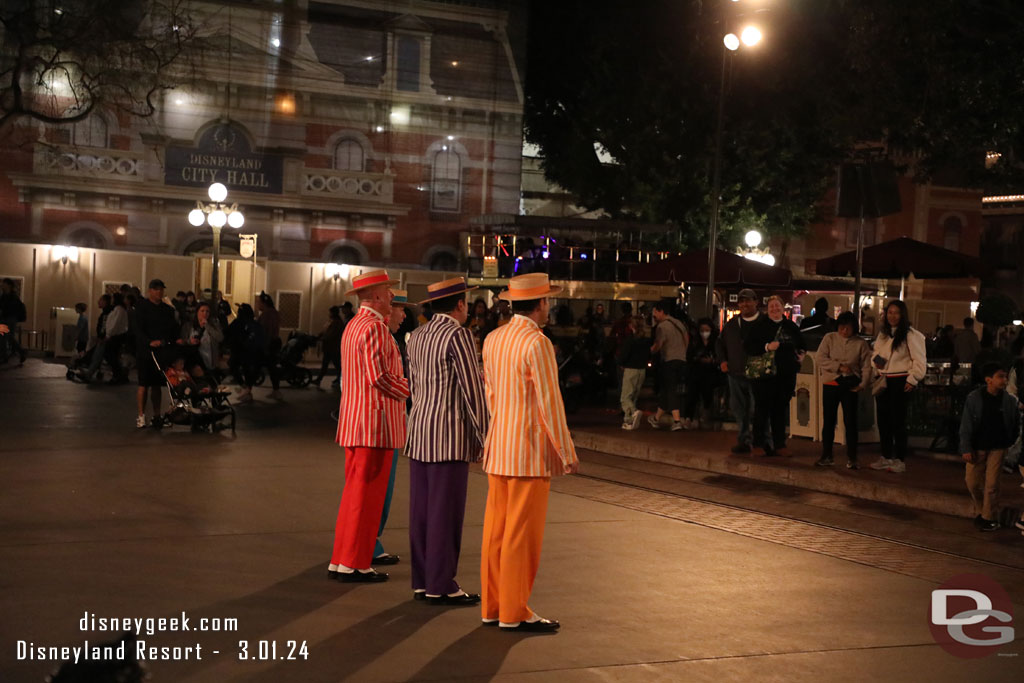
971 616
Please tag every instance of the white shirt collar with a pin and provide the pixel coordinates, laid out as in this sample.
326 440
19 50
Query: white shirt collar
374 311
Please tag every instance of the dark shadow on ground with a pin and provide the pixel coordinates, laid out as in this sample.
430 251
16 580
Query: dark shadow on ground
346 653
743 485
266 611
477 655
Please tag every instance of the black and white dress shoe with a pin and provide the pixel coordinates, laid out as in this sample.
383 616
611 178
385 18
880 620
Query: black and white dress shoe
462 600
371 576
386 558
539 626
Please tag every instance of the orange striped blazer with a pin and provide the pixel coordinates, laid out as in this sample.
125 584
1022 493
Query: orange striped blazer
528 436
373 387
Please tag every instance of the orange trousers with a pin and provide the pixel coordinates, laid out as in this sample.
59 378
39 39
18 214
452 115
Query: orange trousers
513 534
362 500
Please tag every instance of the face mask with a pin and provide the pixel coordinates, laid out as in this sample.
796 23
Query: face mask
705 335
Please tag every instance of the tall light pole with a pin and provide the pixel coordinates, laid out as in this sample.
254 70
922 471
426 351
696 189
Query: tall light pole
216 214
750 36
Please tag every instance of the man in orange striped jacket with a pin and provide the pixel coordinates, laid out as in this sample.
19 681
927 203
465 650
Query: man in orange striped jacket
527 444
371 424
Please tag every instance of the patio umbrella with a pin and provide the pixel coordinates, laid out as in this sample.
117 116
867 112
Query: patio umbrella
903 257
730 269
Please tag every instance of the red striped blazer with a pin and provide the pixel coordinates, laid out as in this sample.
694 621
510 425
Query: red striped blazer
373 387
528 436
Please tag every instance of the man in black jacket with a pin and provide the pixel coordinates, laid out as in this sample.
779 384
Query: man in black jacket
155 328
729 348
12 314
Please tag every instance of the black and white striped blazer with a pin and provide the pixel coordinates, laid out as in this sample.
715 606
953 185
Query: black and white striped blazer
448 420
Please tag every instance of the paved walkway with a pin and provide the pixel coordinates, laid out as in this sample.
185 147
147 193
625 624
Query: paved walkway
649 585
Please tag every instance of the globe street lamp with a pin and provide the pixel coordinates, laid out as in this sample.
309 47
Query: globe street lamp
216 214
749 37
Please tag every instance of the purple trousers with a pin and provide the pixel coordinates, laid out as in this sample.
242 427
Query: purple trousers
437 506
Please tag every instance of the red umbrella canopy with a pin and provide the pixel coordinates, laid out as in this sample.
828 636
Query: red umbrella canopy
902 257
730 269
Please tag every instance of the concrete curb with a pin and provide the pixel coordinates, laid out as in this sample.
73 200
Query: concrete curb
792 473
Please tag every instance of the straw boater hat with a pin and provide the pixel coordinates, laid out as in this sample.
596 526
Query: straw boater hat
370 278
400 297
445 288
529 286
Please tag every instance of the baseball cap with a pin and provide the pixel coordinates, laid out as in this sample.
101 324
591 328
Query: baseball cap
157 284
747 294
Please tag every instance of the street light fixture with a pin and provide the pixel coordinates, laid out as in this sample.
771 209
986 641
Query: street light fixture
749 37
216 214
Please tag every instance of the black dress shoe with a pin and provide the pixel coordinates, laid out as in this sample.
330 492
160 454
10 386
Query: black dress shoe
362 577
740 448
464 600
386 559
419 595
542 626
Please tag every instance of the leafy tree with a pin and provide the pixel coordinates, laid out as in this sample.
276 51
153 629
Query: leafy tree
61 59
934 82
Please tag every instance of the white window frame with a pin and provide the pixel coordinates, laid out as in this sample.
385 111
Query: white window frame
440 183
348 144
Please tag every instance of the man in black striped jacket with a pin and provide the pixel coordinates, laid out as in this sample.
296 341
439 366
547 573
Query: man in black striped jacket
447 426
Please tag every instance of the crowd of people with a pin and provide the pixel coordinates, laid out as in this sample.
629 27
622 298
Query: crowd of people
759 354
165 340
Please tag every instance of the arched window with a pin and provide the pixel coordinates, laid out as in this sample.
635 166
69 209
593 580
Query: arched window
446 180
349 156
347 255
951 229
444 260
88 238
90 132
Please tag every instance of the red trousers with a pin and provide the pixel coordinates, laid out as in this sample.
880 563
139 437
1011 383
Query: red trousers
362 501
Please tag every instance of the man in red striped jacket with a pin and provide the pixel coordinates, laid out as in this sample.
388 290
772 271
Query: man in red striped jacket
371 424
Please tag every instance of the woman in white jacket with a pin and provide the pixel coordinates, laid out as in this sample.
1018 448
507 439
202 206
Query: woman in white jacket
899 357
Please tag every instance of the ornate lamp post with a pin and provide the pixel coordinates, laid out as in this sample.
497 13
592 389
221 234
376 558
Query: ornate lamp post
216 214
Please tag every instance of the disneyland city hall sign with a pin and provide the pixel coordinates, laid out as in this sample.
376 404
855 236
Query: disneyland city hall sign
224 155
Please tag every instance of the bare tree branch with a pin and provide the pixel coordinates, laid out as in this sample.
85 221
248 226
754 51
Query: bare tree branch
58 65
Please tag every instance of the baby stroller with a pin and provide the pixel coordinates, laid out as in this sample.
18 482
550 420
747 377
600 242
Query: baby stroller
194 407
291 355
